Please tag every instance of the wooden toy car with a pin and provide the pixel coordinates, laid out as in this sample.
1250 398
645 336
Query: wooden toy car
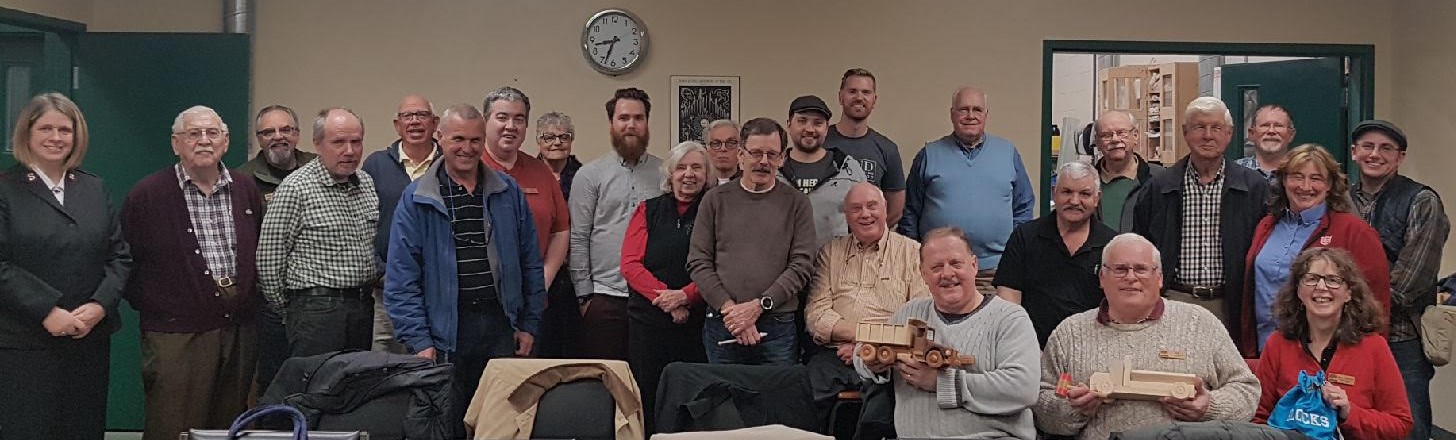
1123 382
892 342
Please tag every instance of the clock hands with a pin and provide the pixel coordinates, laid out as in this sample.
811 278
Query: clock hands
614 40
611 44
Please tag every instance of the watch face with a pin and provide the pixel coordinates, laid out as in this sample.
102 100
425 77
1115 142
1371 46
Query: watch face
614 41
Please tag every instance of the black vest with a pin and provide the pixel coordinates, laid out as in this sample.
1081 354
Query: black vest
1392 213
668 236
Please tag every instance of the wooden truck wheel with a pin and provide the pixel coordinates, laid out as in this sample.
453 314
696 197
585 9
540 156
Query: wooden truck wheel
867 352
934 358
886 355
1182 391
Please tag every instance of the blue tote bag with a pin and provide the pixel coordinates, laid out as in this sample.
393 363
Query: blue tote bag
1303 409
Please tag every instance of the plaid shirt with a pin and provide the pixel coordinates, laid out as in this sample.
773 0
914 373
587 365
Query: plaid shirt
1200 260
1419 263
318 233
212 222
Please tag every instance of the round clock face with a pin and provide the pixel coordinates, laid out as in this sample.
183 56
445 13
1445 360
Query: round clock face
614 41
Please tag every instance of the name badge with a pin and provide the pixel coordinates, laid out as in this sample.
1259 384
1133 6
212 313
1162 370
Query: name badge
530 190
1342 379
1170 354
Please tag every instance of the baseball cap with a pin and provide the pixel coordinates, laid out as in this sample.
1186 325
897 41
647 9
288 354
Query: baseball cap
808 103
1384 127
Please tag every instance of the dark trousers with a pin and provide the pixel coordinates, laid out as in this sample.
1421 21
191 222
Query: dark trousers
196 380
55 393
559 321
828 375
483 333
653 341
779 347
1417 372
603 330
272 345
319 324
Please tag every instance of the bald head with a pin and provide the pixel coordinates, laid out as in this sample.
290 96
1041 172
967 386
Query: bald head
864 211
415 121
968 114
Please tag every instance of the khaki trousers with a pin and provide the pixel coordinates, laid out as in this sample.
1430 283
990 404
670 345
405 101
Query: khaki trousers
196 380
1213 305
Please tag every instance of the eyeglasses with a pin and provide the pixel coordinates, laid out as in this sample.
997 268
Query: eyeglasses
1331 281
1215 128
1109 135
1385 149
421 115
723 145
760 155
197 134
549 138
285 130
1121 270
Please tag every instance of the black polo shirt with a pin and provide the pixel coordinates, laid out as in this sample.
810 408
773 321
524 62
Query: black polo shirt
1054 284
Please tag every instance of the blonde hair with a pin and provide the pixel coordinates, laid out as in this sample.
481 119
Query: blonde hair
39 105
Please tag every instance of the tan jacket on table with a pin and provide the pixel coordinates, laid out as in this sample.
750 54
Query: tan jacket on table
505 403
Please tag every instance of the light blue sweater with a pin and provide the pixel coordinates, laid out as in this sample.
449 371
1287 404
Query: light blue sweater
984 190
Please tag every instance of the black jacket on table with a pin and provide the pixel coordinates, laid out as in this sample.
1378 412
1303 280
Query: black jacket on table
1158 216
54 255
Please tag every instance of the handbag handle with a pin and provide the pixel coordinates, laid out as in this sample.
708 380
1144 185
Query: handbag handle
300 425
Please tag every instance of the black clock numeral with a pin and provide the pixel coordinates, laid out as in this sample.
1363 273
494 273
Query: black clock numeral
634 29
614 64
594 51
636 42
591 39
597 28
614 18
624 59
632 53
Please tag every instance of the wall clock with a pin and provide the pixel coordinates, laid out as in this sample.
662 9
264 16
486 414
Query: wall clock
614 41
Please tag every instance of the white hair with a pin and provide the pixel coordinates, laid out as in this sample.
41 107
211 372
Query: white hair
1129 238
1077 171
198 111
1105 115
676 155
1208 105
720 123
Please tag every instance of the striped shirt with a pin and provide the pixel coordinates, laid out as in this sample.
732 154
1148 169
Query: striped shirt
1200 260
472 236
318 233
212 222
854 282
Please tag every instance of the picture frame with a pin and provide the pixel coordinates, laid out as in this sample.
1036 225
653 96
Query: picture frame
698 101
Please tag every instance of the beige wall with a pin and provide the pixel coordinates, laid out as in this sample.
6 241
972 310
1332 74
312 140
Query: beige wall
365 54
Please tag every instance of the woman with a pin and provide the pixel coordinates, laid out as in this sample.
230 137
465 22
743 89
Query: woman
63 265
665 316
1326 310
1310 207
554 134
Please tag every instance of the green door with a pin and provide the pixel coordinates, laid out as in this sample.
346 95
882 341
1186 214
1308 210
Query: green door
1312 89
131 86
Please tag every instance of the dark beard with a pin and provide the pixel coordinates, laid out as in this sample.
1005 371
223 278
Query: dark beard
627 149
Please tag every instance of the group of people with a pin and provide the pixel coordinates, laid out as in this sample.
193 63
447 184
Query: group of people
763 243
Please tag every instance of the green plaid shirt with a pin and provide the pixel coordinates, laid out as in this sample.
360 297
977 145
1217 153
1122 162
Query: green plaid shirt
318 233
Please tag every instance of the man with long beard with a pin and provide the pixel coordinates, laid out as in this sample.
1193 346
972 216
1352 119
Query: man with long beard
605 193
278 153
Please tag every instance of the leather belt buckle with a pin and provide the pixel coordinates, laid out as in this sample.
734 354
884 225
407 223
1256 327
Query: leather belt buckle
1206 292
226 282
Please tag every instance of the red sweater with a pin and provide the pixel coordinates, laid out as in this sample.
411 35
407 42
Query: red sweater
1337 230
634 246
1378 406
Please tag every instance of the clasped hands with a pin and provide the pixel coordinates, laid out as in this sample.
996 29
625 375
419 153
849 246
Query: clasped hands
674 302
742 321
76 323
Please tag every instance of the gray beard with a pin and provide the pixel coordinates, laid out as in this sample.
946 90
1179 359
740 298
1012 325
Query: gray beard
281 159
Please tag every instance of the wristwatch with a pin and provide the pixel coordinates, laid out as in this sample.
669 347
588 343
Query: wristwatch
766 302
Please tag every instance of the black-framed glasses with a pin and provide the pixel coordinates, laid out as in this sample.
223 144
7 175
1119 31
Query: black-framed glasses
284 130
549 138
1121 270
723 145
422 115
1331 281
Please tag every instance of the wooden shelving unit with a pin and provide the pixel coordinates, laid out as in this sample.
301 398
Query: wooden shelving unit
1155 94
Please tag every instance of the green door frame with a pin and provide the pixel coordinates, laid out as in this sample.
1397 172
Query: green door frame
1361 64
59 46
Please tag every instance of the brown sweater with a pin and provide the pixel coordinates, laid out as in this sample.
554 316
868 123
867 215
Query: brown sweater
748 245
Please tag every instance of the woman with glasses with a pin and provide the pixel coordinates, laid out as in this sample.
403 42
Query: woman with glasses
1310 208
1329 321
63 265
554 134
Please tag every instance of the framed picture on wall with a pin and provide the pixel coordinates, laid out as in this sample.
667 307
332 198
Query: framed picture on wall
700 100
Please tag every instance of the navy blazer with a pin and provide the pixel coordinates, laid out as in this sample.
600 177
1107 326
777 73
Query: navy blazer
57 256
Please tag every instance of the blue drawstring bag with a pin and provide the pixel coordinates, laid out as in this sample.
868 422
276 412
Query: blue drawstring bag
1303 409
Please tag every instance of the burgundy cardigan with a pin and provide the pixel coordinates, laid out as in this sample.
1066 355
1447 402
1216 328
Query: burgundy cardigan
169 284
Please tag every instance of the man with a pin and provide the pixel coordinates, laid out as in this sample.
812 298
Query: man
990 398
1135 323
507 113
750 269
1201 213
464 282
1067 243
879 155
605 192
1413 229
824 174
198 344
315 259
1121 169
278 156
865 276
392 169
278 153
1271 135
721 138
970 180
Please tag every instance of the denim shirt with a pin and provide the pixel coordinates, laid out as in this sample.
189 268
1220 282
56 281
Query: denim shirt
1272 265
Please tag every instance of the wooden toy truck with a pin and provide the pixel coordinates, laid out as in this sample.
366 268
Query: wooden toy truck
916 340
1123 382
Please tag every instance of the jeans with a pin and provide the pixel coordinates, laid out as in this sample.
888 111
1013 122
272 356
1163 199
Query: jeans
322 324
272 345
483 334
779 347
1417 372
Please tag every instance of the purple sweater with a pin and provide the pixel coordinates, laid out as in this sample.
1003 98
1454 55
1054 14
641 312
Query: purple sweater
168 284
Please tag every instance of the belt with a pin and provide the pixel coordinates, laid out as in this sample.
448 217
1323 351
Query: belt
227 288
1200 292
360 292
481 305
